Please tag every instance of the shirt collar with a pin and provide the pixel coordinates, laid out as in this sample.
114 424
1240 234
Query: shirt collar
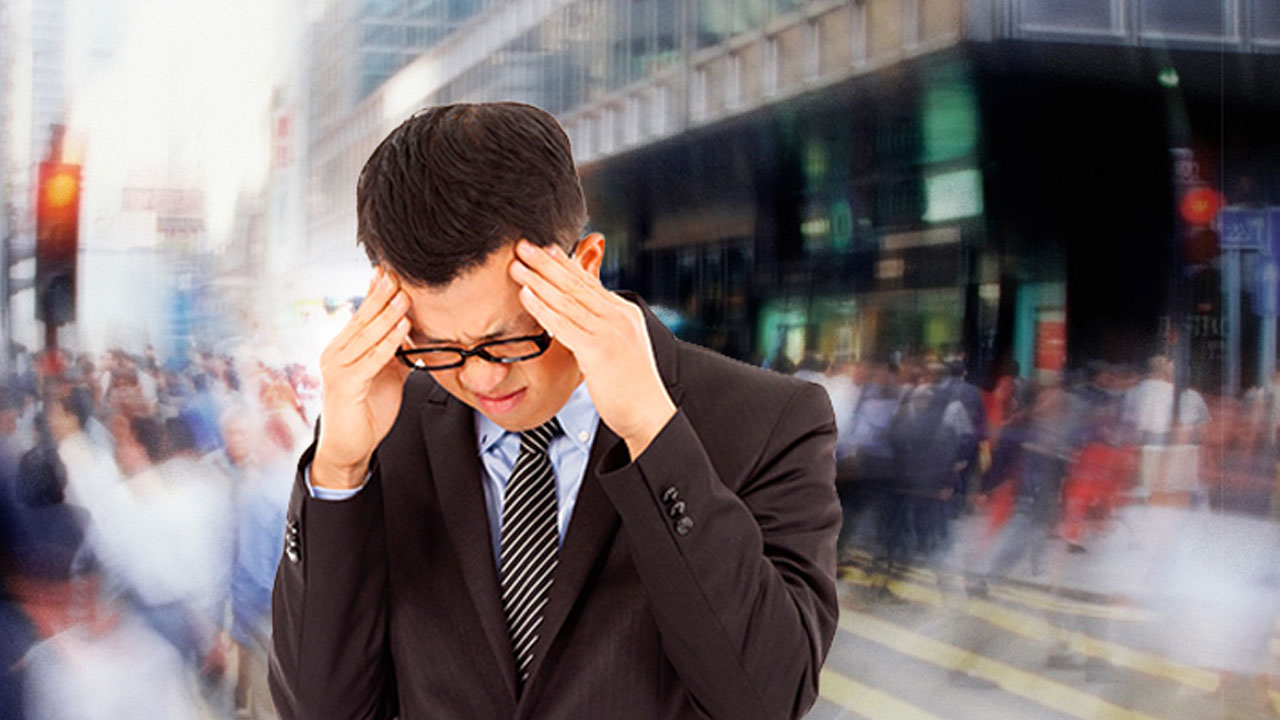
578 417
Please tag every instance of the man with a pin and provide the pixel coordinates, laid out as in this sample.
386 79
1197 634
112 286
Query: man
664 549
1169 460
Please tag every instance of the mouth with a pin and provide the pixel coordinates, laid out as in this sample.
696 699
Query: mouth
500 404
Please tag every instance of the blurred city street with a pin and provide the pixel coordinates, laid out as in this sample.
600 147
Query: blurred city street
1173 616
1029 248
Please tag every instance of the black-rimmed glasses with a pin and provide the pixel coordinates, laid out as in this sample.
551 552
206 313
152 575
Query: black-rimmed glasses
506 351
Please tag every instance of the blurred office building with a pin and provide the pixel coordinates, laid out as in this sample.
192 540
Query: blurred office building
859 177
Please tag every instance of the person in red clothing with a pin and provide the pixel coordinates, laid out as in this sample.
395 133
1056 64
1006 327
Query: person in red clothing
1095 481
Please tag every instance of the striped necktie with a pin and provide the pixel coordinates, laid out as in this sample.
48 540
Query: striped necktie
530 538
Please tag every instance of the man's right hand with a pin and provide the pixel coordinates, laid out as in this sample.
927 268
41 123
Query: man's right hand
361 385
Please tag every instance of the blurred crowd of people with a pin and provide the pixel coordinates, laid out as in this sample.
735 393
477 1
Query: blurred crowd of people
142 504
919 445
142 515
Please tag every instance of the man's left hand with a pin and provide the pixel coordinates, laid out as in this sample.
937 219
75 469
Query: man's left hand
607 336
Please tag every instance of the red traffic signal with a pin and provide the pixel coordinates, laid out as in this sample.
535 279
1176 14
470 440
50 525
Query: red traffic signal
1200 205
62 187
57 241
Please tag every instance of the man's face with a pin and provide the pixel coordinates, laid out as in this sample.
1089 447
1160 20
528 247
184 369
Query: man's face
483 305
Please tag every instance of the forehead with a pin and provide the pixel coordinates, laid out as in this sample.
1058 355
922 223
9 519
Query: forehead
477 306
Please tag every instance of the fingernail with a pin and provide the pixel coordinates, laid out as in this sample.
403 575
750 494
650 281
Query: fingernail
400 302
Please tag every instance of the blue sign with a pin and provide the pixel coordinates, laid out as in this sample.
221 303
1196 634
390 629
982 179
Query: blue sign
1243 229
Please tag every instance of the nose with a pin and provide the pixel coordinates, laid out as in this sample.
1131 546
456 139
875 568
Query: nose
481 376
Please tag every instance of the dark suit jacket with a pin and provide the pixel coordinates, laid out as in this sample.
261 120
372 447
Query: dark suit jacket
695 582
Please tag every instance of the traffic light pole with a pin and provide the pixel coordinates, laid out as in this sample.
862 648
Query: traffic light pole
1231 302
57 244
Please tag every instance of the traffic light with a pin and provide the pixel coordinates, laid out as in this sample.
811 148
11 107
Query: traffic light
57 242
1197 209
1200 205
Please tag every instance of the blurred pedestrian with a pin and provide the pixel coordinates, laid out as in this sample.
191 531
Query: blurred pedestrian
1169 460
864 451
261 472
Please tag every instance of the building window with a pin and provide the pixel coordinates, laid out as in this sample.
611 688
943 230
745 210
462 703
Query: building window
1184 17
835 52
794 46
423 37
463 9
381 35
1075 16
1266 21
719 20
384 63
382 8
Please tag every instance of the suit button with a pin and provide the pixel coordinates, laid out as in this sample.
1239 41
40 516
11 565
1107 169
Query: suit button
670 495
292 542
684 525
676 509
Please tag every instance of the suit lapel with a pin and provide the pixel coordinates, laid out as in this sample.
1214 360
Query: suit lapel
449 432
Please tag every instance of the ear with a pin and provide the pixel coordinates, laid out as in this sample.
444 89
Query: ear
590 253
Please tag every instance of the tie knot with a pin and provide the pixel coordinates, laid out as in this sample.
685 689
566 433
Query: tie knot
537 439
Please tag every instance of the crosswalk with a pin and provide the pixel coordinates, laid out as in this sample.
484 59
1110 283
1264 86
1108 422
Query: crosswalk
900 660
867 701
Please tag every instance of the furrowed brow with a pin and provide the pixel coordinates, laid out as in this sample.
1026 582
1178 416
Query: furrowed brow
523 321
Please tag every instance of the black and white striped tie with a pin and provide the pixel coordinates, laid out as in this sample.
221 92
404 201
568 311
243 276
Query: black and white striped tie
530 537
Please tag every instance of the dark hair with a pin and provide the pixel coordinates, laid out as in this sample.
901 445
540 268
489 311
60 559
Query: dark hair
151 435
41 477
454 183
80 403
180 436
10 398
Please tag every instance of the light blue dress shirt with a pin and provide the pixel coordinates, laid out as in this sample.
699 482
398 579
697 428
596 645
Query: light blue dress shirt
498 450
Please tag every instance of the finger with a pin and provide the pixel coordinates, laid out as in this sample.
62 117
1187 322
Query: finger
559 301
383 351
384 288
562 272
376 329
569 333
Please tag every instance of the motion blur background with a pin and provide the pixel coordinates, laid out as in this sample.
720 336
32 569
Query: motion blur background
1044 201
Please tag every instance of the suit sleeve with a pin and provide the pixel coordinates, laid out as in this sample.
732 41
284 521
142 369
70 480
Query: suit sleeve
329 655
742 584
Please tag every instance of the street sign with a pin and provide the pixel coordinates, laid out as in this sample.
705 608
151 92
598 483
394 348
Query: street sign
1243 229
